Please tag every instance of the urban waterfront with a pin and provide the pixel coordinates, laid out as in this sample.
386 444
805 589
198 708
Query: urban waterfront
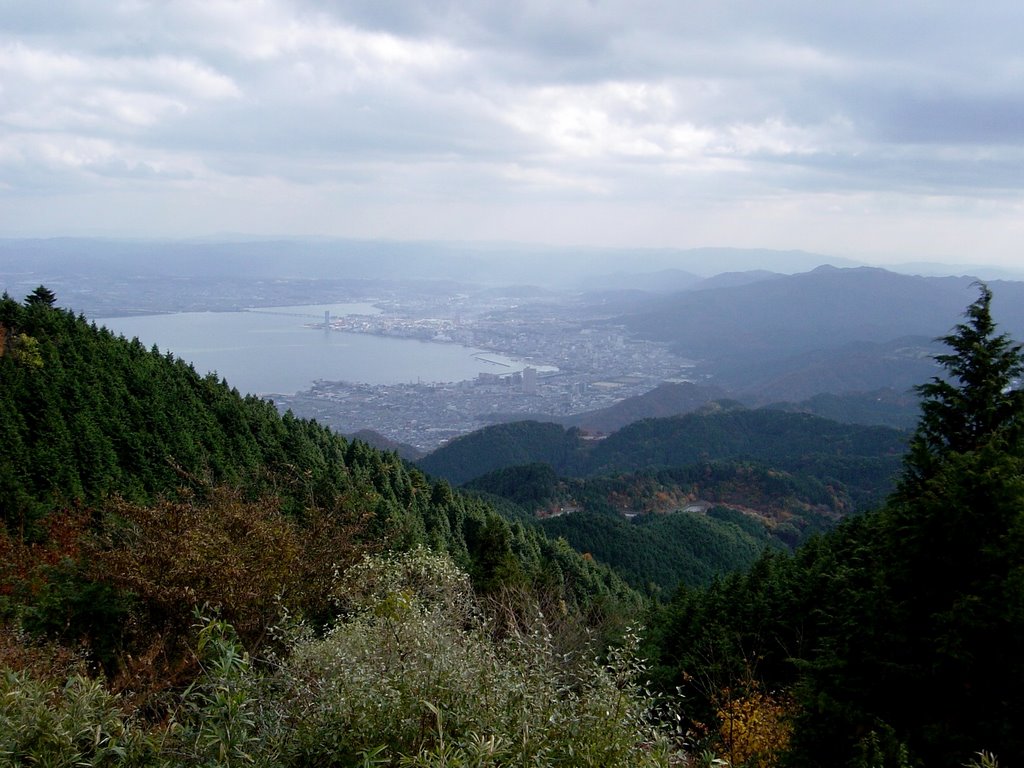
418 368
273 350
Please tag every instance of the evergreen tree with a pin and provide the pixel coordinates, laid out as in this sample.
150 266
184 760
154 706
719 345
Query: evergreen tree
898 634
41 296
974 401
925 648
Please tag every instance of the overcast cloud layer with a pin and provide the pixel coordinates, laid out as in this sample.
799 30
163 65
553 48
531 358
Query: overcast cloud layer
878 130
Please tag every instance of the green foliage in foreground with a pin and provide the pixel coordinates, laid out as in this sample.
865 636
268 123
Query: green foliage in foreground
417 672
71 724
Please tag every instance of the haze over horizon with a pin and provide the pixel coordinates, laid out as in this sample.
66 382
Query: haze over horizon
879 133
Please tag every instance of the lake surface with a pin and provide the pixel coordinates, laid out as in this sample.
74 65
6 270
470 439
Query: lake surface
270 350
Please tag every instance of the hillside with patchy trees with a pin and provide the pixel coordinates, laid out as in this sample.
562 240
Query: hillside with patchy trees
663 528
681 500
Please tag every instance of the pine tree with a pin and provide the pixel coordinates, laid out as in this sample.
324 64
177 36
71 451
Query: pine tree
954 554
41 296
975 401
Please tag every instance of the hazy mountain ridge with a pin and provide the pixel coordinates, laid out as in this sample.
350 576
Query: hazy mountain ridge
487 263
798 335
847 369
669 399
735 279
886 406
802 312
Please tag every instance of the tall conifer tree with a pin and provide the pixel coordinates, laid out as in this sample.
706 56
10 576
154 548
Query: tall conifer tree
975 400
954 554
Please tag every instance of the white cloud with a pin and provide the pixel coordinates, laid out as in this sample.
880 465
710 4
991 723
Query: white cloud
559 113
48 90
608 121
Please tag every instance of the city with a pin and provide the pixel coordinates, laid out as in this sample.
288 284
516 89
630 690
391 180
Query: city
573 360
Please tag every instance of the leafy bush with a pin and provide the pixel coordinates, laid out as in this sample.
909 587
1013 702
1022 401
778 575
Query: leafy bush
413 676
76 724
755 728
223 718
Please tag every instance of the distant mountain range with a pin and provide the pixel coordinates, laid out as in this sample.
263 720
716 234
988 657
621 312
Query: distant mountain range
483 263
888 406
828 330
761 330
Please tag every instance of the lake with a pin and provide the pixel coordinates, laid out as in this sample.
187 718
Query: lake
270 350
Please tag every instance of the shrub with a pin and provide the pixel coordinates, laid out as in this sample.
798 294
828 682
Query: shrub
79 723
412 676
223 718
755 728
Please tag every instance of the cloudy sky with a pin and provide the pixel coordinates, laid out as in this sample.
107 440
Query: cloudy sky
880 130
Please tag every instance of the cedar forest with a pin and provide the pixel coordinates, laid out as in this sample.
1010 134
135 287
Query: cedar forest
189 578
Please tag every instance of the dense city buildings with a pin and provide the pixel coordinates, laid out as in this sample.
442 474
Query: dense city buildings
570 361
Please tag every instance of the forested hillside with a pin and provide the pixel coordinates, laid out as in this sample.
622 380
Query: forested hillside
864 459
663 528
162 530
775 478
504 445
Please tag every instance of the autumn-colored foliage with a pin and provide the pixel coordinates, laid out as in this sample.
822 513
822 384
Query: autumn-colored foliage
24 564
755 727
44 660
239 557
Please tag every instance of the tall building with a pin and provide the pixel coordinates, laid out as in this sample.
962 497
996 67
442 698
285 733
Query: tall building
529 380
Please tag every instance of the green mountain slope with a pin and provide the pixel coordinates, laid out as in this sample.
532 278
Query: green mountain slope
863 459
662 528
504 445
97 428
660 552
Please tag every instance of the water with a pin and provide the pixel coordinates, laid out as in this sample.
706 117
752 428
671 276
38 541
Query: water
271 351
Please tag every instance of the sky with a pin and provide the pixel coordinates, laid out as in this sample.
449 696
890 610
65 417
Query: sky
878 130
